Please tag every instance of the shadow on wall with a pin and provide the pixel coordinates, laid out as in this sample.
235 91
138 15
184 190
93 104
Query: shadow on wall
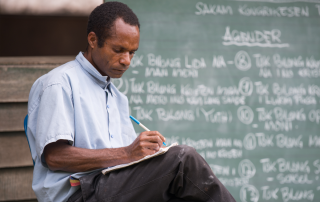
44 28
42 35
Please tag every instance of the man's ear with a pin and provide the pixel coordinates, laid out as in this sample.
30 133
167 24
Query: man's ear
92 40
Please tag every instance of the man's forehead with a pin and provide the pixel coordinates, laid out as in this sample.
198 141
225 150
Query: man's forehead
120 26
123 35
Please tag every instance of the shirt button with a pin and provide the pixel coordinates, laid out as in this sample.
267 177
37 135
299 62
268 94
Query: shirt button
111 136
108 106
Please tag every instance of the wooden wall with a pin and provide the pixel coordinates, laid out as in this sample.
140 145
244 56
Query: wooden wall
34 35
17 74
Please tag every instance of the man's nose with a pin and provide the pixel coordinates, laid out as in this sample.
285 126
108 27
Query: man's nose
125 59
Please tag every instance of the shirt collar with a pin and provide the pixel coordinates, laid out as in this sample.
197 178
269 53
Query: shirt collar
102 81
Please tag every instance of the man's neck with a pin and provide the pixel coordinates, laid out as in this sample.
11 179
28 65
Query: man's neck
87 54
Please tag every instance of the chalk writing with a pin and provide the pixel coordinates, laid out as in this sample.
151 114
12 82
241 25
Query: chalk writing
254 38
155 87
156 72
278 89
177 99
176 115
198 144
136 61
245 86
143 114
249 141
245 114
218 62
290 194
220 170
293 178
318 7
237 143
229 154
185 73
264 140
316 164
284 141
314 141
135 99
158 61
136 87
281 114
242 61
314 90
314 115
262 61
261 89
268 194
312 63
309 73
204 9
199 90
194 63
249 193
157 99
274 12
122 85
282 62
234 182
223 142
215 116
246 169
283 165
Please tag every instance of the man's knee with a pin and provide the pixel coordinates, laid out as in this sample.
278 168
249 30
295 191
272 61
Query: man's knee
184 151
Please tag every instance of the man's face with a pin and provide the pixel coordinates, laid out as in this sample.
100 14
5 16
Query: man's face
113 59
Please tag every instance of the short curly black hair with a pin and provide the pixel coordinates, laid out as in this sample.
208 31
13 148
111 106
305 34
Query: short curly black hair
102 18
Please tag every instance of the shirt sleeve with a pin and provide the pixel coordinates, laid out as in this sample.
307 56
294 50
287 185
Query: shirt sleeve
55 119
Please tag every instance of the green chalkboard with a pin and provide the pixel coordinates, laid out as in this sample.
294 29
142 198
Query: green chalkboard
240 82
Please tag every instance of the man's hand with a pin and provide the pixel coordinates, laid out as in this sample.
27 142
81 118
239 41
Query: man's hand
147 143
62 156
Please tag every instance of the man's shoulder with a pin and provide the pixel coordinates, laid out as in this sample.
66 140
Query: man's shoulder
59 75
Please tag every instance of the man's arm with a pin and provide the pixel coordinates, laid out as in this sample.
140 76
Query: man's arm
62 156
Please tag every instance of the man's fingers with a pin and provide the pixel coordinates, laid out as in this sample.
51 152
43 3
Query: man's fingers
154 133
148 151
152 139
150 146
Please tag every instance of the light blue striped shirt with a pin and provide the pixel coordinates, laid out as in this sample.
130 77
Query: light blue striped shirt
70 103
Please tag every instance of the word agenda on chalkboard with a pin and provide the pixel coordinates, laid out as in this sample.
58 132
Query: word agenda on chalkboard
238 80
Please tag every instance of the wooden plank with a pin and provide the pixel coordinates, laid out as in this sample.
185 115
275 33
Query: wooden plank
12 116
34 61
14 150
17 74
16 184
35 200
15 83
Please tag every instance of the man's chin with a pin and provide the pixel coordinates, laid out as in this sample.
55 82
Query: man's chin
116 76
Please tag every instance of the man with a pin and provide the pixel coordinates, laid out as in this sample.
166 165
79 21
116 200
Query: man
79 124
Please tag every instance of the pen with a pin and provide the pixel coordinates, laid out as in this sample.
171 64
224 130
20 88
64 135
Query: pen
140 124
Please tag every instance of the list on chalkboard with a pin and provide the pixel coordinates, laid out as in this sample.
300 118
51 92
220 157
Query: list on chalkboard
239 81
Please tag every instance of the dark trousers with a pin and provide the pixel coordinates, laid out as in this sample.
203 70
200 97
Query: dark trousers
179 175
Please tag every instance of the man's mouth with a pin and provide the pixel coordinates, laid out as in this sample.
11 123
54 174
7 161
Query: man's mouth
120 70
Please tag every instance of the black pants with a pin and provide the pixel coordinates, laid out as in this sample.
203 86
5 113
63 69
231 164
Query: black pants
179 175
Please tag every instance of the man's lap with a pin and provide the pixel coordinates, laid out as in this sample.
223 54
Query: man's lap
176 174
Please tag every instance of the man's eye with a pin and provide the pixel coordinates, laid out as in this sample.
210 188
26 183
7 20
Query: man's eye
117 51
132 53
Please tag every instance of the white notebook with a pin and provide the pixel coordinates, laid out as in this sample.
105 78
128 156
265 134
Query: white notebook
160 152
